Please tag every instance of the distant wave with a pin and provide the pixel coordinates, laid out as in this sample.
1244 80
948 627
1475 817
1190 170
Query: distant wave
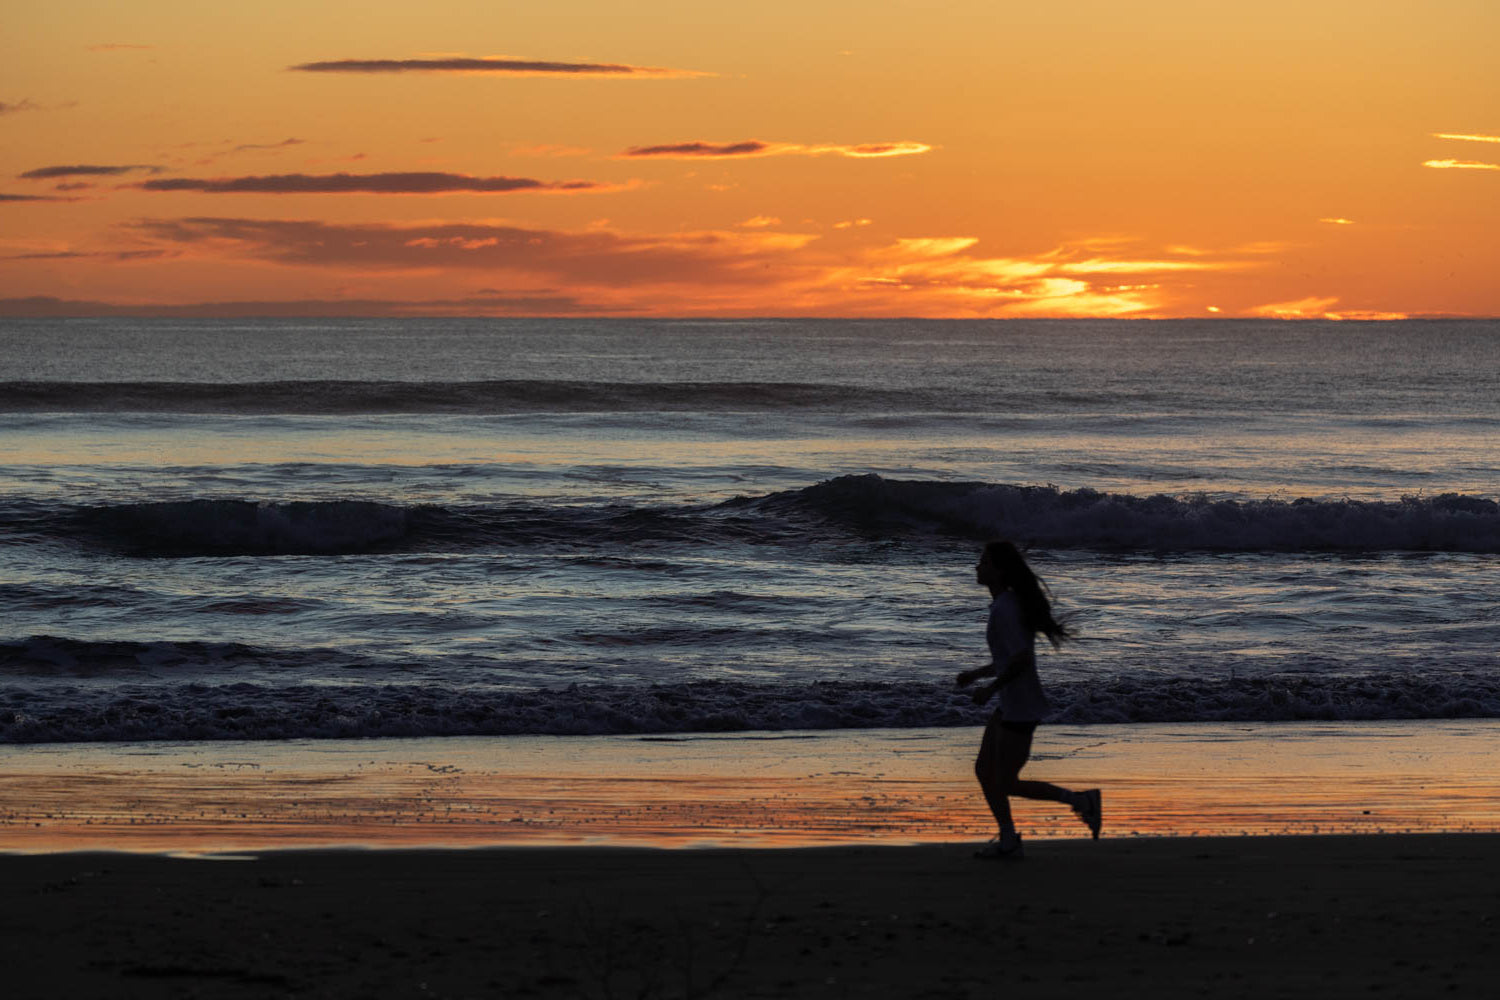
479 397
244 527
342 527
868 507
196 711
61 656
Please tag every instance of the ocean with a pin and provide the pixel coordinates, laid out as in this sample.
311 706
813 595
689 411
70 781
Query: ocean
292 530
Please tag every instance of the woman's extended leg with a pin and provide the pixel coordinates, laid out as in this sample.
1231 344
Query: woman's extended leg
1087 804
1013 752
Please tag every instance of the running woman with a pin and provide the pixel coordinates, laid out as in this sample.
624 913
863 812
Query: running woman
1019 609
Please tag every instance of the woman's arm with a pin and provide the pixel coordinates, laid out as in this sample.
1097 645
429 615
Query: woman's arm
1014 667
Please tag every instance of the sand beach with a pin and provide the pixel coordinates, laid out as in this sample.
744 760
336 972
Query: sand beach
825 864
1330 916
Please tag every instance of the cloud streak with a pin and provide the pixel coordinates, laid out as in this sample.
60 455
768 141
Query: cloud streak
41 306
427 183
1319 307
873 150
493 65
29 197
1460 165
1466 137
698 149
598 258
13 107
1126 266
688 150
86 170
120 255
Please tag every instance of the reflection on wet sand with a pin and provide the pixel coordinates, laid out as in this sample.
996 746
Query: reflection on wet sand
888 786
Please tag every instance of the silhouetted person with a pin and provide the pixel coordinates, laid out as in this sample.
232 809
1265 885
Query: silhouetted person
1019 609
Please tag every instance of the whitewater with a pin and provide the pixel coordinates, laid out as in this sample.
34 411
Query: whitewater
286 530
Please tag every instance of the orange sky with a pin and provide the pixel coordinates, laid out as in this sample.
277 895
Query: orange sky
873 158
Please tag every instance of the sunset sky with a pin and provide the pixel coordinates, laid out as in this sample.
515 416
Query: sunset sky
875 158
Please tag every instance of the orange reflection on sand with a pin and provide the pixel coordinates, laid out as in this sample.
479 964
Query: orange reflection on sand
403 810
394 807
888 787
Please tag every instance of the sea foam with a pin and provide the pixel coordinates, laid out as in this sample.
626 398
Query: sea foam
197 711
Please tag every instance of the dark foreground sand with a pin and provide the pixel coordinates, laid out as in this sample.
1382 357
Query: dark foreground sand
1404 916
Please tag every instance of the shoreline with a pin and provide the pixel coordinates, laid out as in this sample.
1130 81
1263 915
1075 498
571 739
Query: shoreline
1149 917
799 789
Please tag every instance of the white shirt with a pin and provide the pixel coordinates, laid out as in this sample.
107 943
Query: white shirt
1022 700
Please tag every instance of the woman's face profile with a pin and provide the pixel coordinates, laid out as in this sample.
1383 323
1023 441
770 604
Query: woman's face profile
987 573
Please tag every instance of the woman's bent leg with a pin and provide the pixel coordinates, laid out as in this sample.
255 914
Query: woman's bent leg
1012 751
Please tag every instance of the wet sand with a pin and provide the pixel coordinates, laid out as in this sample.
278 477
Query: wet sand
1396 915
815 788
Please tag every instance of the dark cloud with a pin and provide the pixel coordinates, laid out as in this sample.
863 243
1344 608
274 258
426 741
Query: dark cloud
748 148
11 107
590 256
30 197
44 307
519 67
394 183
268 145
122 255
86 170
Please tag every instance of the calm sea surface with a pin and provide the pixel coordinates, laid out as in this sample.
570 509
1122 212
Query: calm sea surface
284 529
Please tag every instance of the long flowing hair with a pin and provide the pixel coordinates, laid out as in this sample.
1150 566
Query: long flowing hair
1031 593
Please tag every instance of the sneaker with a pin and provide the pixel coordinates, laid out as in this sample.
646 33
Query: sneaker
996 851
1091 811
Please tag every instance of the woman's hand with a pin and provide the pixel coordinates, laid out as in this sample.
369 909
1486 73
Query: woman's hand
984 694
970 676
